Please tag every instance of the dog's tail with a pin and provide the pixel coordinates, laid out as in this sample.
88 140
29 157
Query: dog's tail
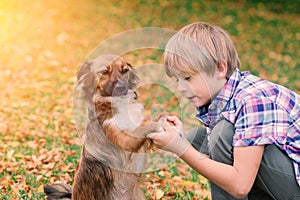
58 192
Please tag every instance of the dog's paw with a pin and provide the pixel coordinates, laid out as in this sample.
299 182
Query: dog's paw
158 125
161 116
161 122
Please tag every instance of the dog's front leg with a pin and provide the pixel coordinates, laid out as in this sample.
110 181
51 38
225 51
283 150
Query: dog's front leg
147 127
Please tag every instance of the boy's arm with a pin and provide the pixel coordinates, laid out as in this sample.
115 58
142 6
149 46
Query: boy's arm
237 179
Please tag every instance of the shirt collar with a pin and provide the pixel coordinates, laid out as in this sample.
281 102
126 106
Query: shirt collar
209 114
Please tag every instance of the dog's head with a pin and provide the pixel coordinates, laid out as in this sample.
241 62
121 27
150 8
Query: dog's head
107 75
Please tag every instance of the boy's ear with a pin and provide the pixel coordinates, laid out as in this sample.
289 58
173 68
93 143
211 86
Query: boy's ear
221 69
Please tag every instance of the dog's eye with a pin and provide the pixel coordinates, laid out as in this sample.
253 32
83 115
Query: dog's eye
135 95
105 72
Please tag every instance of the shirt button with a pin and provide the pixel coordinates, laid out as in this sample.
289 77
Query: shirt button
212 106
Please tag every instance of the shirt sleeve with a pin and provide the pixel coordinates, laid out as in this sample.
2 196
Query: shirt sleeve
260 122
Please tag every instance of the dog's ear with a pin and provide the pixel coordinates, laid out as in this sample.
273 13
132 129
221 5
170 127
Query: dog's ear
86 80
84 69
133 78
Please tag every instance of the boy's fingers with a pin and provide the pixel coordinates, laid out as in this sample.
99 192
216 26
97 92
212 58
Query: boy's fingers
167 126
174 120
152 135
171 118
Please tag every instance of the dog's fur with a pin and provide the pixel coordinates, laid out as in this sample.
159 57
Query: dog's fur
114 136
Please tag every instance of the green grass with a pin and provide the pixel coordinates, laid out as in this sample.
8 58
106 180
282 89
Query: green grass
44 42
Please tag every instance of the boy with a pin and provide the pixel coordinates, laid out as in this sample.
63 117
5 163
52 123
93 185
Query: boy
250 147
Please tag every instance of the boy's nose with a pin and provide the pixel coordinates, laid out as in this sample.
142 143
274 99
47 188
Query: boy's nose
181 87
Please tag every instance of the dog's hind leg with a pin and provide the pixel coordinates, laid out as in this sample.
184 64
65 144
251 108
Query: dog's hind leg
58 192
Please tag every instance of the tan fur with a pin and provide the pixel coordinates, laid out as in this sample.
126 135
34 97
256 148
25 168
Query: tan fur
109 174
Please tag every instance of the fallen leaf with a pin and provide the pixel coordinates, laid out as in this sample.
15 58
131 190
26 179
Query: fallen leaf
159 194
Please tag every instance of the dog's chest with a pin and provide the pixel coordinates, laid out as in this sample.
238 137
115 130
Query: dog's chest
128 116
127 187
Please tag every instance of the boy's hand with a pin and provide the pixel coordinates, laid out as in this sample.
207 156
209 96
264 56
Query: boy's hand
173 120
172 138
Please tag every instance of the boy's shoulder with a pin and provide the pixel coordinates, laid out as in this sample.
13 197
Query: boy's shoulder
251 88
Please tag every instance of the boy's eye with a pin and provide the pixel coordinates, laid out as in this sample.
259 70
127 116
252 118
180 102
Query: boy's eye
187 78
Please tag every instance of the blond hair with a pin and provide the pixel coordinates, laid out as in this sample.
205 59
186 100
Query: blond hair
200 47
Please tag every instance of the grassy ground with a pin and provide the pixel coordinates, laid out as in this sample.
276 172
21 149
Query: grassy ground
44 42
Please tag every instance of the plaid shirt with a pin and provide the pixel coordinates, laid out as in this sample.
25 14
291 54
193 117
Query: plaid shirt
262 113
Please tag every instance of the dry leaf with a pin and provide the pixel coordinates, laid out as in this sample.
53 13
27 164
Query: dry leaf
159 194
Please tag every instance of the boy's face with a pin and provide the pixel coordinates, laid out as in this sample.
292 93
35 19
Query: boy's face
200 88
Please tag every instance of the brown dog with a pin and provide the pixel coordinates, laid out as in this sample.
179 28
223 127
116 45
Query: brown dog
114 140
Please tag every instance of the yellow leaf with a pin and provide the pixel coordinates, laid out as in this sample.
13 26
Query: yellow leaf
39 178
159 194
18 155
9 154
176 179
188 183
202 179
161 173
41 189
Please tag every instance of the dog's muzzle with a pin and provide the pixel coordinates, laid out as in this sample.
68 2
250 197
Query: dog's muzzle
121 88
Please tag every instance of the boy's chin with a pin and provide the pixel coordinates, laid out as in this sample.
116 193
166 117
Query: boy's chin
195 102
198 103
